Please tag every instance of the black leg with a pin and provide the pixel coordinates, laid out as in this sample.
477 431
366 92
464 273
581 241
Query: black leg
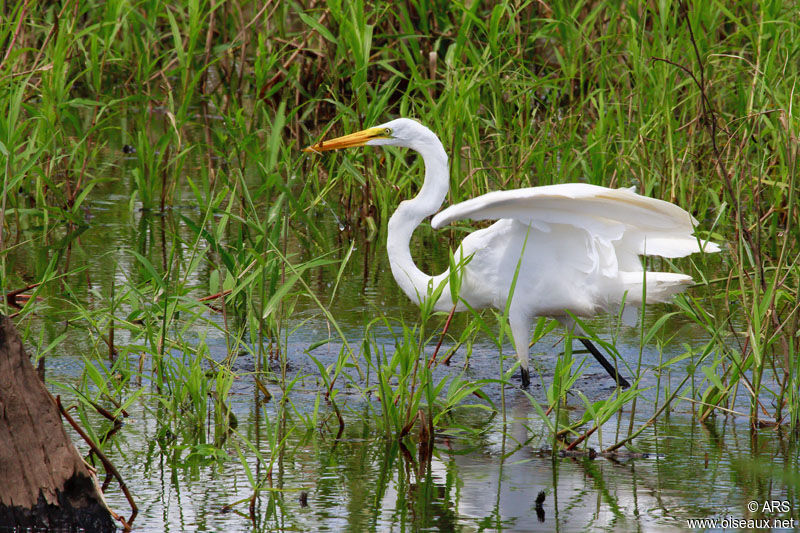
525 374
622 382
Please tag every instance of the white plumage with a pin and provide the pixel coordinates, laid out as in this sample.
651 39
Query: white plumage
577 245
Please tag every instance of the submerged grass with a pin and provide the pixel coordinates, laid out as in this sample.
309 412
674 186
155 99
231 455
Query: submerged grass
692 103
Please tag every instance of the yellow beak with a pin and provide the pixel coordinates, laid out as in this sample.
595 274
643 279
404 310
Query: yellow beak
359 138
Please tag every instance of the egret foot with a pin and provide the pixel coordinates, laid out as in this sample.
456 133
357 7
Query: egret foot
525 374
622 382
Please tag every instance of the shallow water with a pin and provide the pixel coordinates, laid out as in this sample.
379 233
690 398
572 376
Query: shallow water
361 482
490 481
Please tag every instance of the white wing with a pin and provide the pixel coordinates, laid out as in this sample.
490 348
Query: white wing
648 225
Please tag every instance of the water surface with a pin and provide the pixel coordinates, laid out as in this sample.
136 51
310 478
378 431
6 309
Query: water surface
486 476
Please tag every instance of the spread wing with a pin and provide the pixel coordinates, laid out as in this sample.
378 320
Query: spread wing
647 225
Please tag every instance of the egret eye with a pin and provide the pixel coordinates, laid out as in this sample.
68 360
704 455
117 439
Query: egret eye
387 132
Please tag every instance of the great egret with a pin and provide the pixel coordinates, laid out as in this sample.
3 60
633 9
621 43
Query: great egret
577 245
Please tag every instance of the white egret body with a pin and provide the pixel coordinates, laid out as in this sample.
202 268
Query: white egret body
577 245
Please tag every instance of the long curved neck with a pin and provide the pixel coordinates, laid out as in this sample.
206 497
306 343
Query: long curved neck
408 216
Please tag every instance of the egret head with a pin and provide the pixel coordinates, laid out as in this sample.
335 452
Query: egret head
403 132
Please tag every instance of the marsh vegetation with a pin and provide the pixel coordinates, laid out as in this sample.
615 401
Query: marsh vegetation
173 260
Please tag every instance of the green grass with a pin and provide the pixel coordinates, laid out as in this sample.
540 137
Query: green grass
693 104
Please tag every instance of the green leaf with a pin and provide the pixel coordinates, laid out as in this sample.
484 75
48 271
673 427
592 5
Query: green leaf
150 269
316 26
713 377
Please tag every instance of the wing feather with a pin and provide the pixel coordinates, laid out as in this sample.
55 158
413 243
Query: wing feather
652 226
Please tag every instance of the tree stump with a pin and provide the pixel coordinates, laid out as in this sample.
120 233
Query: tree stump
44 482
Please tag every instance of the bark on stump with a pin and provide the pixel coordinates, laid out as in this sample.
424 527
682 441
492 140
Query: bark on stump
44 482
